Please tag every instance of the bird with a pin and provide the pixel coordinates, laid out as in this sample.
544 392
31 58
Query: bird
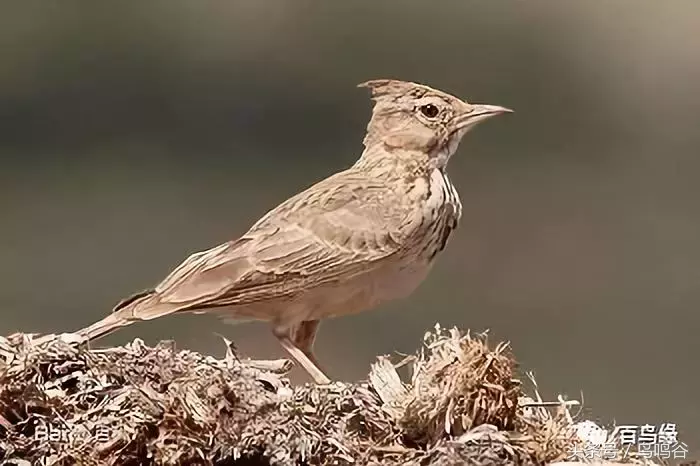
361 237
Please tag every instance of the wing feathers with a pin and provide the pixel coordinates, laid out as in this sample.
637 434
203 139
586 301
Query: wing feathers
330 232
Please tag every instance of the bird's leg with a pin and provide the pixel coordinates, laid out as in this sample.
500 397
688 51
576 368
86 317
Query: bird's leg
298 342
304 337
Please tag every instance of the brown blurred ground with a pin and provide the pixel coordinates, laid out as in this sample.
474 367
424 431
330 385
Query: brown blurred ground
131 136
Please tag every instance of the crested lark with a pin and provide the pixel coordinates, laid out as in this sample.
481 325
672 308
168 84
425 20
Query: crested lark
360 237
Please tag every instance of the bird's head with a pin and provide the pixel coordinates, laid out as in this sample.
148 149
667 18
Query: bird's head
416 118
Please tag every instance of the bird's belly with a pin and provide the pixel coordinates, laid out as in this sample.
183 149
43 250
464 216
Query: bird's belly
327 300
404 279
395 282
361 293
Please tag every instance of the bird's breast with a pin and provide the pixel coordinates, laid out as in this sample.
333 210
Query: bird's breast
439 215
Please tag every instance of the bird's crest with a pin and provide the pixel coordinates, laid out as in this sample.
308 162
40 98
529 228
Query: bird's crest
380 88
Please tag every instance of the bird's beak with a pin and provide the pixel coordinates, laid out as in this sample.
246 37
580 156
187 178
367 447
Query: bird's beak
476 113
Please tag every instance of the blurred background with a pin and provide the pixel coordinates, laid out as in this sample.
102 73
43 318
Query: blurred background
133 134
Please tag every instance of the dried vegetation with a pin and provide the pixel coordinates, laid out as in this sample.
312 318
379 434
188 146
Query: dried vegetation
63 403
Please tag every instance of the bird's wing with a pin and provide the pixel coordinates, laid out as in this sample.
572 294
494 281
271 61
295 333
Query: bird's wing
334 230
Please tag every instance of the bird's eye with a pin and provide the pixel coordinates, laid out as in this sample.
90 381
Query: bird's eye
429 110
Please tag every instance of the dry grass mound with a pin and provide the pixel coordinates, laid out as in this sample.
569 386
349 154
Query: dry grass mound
63 403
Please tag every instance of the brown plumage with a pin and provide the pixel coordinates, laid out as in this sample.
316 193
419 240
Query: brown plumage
360 237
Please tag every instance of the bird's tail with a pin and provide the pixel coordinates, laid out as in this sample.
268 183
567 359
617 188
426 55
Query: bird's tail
141 306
